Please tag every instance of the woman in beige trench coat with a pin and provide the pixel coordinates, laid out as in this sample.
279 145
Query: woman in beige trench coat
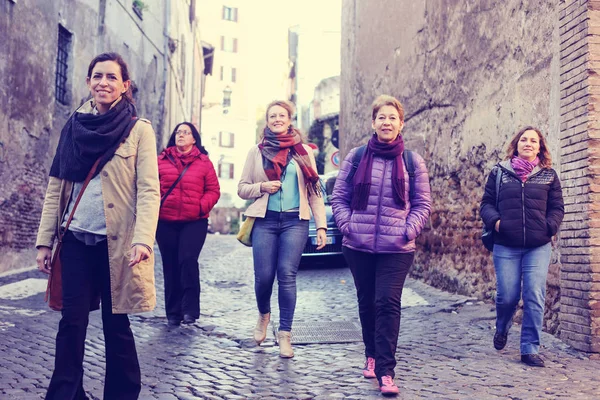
107 249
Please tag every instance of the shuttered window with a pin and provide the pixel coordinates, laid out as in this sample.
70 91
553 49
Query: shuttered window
230 13
225 170
62 65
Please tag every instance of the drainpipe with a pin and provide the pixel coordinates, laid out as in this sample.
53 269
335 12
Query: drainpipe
193 78
101 25
164 101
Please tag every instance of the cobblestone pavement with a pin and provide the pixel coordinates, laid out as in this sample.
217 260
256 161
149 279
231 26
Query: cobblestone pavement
445 348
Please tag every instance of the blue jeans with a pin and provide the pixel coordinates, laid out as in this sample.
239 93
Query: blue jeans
513 265
277 244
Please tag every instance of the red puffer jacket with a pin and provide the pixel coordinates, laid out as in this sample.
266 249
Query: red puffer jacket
195 194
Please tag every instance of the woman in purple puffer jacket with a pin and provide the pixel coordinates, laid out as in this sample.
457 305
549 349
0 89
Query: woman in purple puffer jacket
380 221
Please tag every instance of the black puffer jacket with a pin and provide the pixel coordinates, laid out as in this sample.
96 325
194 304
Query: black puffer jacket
530 212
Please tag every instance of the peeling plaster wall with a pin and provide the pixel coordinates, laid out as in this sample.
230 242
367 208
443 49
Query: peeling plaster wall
469 74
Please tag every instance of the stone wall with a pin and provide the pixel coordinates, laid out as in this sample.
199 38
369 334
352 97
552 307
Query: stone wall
31 118
469 75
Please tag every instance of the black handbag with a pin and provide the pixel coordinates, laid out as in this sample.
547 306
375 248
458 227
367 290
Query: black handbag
487 236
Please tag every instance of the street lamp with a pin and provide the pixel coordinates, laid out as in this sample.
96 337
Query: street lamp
226 98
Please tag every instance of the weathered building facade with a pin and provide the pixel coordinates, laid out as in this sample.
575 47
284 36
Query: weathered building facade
45 50
228 106
324 132
470 74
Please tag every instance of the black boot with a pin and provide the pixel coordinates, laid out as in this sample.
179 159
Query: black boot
533 360
188 319
500 340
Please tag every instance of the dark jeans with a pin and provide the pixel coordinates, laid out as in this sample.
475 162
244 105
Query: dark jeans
85 274
277 243
379 280
180 244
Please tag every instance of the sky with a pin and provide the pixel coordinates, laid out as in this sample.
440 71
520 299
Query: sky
270 22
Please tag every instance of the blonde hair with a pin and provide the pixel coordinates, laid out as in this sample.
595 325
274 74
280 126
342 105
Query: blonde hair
290 108
387 100
544 154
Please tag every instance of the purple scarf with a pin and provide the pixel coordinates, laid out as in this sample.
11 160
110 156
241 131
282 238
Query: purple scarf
362 178
523 167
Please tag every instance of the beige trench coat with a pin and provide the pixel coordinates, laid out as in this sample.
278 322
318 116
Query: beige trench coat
131 193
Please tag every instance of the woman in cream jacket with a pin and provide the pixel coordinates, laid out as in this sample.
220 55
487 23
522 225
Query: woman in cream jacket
280 176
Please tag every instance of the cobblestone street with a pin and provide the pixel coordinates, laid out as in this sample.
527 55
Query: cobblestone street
445 348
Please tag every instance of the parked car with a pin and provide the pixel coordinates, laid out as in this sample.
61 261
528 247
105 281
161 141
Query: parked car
331 254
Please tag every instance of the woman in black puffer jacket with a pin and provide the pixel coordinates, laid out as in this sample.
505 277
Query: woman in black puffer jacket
530 211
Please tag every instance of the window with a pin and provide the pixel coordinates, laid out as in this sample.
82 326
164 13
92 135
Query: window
226 98
225 170
229 44
226 139
230 13
62 59
232 78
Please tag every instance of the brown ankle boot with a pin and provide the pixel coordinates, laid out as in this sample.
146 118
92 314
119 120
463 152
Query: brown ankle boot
284 338
260 331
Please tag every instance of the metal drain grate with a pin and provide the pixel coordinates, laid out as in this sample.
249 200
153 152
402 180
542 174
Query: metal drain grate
323 332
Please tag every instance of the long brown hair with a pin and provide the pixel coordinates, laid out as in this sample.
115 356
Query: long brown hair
544 154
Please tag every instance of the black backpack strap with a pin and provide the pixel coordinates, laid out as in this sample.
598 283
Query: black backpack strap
498 180
355 161
410 168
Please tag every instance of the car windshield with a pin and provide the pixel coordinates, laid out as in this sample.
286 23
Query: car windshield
327 199
327 184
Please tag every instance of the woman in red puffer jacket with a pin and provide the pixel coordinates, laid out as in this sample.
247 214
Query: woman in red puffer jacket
183 219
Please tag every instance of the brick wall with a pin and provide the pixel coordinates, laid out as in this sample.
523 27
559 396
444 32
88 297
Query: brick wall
579 24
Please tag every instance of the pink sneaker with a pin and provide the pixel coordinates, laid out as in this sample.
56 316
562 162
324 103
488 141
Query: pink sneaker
387 385
369 369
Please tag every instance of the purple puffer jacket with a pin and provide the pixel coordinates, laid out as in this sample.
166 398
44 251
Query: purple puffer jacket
383 227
